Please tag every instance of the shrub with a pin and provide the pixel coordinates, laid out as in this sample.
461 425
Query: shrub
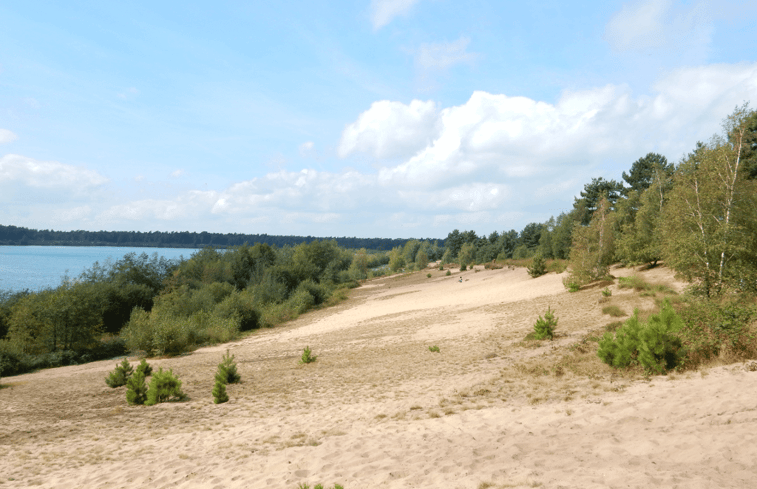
545 328
434 349
441 266
144 367
538 266
571 284
219 391
428 275
227 370
654 344
136 389
633 282
606 292
164 386
463 267
448 273
307 356
120 375
613 311
713 329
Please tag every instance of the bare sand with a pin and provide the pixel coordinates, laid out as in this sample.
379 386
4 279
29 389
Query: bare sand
378 409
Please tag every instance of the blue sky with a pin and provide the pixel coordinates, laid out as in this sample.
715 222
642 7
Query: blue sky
374 118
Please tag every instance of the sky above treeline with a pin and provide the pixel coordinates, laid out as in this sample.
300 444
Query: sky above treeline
374 118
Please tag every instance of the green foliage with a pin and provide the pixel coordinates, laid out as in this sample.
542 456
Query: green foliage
396 259
606 292
448 273
428 275
307 356
593 247
718 329
654 345
434 349
164 386
136 388
545 328
304 485
120 375
219 392
633 282
644 171
538 266
144 367
463 267
227 370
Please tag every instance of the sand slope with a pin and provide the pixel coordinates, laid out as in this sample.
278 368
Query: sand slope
379 410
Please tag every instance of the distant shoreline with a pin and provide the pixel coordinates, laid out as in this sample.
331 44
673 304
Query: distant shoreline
20 236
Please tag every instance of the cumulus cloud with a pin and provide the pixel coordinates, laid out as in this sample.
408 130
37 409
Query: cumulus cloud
22 170
7 136
383 11
492 162
654 24
391 129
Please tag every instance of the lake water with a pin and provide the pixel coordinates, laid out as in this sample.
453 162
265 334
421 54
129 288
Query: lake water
37 267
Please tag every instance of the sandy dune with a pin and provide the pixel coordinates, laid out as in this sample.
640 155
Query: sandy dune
378 409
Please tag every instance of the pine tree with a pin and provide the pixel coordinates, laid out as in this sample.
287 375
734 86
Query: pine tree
120 375
136 392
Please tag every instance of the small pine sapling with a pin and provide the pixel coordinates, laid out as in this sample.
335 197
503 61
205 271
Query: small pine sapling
219 390
120 375
145 368
538 266
228 370
136 392
307 356
545 328
164 386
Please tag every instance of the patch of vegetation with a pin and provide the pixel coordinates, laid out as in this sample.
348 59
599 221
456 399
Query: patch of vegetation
144 367
434 349
633 282
307 356
303 485
538 266
606 292
136 388
545 327
164 386
613 311
120 375
654 345
428 275
227 370
448 273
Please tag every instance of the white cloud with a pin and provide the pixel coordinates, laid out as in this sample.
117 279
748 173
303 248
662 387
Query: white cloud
22 170
440 56
177 173
7 136
655 24
493 162
383 11
391 129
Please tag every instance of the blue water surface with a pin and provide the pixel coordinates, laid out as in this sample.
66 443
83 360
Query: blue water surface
38 267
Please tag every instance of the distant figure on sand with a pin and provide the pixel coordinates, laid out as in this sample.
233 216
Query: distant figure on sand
461 279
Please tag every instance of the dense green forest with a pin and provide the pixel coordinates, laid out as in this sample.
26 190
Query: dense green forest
19 236
699 216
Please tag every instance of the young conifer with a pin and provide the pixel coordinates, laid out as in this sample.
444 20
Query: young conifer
219 390
136 392
163 387
545 328
228 369
120 375
144 367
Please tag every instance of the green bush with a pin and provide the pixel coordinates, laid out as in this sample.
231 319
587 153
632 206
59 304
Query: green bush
571 284
448 273
219 392
136 389
227 370
538 266
654 345
545 328
434 349
713 328
463 267
307 356
606 292
164 386
120 375
144 367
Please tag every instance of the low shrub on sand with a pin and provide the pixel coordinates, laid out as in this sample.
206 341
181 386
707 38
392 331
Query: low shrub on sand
307 356
545 328
120 375
164 386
